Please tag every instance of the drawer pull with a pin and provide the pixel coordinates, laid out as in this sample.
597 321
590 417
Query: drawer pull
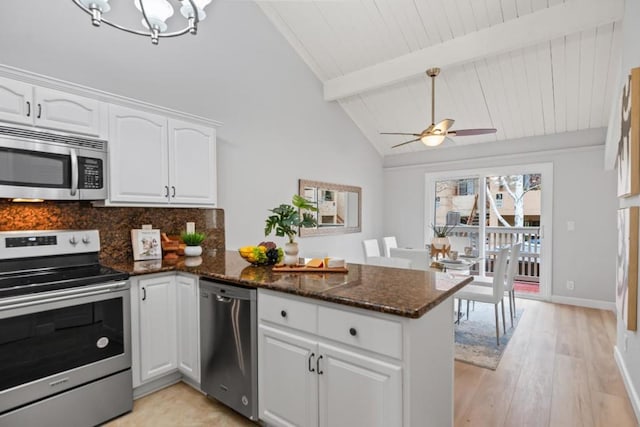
283 313
353 332
320 372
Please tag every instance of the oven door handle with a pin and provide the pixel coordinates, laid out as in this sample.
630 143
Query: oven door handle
74 171
63 295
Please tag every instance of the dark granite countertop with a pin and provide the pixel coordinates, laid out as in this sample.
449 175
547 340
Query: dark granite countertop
402 292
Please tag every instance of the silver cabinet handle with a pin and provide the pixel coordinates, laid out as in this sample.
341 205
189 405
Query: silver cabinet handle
28 109
173 189
39 111
74 171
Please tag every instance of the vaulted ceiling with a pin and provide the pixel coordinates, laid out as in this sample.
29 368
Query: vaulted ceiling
525 67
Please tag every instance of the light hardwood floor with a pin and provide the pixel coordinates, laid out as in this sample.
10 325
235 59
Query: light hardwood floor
558 370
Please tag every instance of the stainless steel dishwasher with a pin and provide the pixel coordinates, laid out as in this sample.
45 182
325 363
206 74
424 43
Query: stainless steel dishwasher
229 346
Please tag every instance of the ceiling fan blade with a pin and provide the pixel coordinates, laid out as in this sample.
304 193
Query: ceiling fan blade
399 133
444 125
469 132
406 142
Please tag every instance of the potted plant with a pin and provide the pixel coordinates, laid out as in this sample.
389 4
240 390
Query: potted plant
193 241
287 220
441 236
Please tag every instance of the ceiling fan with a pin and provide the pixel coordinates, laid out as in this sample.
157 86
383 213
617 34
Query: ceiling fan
436 133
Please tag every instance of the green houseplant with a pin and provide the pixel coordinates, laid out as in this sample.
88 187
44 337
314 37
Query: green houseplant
440 239
193 241
286 220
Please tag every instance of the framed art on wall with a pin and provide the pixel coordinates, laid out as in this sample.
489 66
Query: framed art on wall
627 266
628 157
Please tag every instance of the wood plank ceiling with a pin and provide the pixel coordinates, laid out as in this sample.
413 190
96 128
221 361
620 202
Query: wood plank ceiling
525 67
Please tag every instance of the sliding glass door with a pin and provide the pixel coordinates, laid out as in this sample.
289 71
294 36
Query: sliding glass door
491 208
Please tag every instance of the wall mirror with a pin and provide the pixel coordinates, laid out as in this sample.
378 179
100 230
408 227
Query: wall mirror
339 207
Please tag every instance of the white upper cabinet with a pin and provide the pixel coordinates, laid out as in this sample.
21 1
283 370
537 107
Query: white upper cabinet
16 104
192 171
159 161
138 156
27 104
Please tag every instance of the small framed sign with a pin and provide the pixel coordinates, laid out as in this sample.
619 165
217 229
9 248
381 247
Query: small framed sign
146 244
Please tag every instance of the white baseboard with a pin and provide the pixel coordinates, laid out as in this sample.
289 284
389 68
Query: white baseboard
583 302
628 384
155 385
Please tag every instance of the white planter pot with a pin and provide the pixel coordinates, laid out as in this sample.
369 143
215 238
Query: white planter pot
291 253
440 242
193 251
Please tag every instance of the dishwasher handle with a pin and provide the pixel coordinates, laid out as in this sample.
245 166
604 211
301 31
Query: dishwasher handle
220 298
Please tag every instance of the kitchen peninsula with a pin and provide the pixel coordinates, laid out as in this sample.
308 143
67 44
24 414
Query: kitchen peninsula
380 339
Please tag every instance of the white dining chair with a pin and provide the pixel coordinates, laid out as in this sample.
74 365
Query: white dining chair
490 295
387 244
512 270
420 258
371 248
389 262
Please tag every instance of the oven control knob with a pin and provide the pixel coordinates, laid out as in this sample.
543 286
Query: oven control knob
73 241
86 240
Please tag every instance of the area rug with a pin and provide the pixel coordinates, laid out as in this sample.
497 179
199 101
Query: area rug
475 337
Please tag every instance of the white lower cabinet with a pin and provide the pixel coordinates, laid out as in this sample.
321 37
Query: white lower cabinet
356 390
158 332
164 326
188 326
287 382
308 380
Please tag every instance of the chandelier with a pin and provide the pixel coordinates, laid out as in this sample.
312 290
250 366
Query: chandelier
154 15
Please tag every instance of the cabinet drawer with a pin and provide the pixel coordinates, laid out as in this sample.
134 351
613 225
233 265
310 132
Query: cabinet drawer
288 312
370 333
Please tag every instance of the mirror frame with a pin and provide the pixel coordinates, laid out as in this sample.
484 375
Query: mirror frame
325 231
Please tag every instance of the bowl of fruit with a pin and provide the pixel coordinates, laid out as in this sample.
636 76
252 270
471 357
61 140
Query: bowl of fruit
265 253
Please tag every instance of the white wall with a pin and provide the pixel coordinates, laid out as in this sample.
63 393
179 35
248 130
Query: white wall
628 342
237 70
583 192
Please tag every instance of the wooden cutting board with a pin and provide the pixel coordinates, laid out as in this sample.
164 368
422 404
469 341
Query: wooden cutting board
300 268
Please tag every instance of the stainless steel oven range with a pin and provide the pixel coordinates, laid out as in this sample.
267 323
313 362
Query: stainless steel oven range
65 344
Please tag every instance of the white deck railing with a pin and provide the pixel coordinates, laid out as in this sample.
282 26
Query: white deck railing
497 237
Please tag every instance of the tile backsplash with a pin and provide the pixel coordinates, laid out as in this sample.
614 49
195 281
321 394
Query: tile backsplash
115 224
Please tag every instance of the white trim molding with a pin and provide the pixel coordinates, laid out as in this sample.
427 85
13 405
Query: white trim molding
628 384
584 302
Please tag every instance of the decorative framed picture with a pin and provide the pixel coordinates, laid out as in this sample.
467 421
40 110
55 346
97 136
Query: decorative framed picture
628 157
146 244
627 266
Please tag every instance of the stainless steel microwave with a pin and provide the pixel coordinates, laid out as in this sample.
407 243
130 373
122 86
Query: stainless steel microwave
41 165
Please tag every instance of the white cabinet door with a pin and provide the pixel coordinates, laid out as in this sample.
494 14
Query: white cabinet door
192 169
16 101
188 326
54 109
138 159
287 381
358 390
158 352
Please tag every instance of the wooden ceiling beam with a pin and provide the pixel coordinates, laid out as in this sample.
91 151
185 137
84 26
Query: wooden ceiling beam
567 18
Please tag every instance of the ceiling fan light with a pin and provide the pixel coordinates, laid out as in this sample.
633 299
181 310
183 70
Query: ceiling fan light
432 140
